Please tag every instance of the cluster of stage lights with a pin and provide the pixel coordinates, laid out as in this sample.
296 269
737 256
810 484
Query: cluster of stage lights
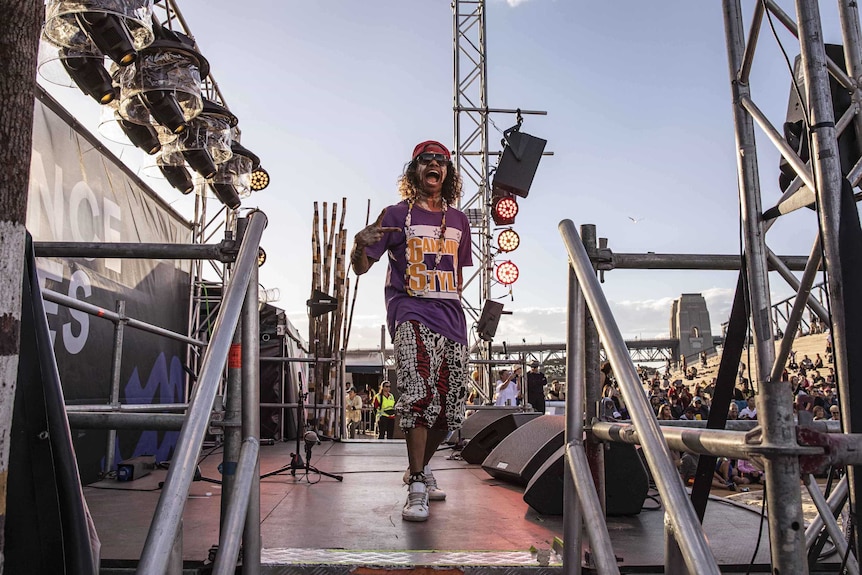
154 87
503 211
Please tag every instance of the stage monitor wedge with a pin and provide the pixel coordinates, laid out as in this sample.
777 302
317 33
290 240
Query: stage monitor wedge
481 445
517 458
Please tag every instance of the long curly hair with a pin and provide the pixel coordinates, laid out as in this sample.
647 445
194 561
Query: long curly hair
409 184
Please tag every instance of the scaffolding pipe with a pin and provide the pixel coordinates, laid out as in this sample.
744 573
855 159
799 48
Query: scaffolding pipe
803 300
171 503
774 410
594 520
116 364
825 159
719 262
234 517
251 539
825 514
576 382
97 311
812 267
836 501
102 250
695 549
139 421
595 449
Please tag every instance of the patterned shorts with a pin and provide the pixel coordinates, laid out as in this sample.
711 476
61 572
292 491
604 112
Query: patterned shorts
432 378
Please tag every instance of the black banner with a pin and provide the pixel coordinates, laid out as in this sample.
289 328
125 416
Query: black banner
79 191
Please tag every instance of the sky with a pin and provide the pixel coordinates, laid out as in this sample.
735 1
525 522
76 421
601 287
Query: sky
333 95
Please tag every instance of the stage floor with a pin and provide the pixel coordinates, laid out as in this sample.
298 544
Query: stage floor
318 524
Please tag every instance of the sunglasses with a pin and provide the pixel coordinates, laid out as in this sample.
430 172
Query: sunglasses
428 157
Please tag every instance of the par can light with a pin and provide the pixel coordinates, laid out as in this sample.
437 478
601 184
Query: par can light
507 273
508 240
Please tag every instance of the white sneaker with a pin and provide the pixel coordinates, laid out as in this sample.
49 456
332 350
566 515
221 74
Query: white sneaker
434 492
416 508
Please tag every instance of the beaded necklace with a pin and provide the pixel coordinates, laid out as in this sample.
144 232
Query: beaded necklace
441 244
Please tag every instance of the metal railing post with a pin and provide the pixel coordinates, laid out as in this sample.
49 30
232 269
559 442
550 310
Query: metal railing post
572 516
825 159
171 503
698 555
237 511
251 421
116 365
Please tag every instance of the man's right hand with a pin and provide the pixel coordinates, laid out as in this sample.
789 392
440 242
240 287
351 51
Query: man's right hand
369 235
372 233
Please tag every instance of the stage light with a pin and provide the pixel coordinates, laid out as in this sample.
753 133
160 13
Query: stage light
165 109
503 210
261 257
178 177
508 240
201 162
164 85
507 273
116 29
110 36
259 180
206 142
144 137
238 169
90 74
227 194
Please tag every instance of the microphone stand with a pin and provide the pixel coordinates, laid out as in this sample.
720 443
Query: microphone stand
295 458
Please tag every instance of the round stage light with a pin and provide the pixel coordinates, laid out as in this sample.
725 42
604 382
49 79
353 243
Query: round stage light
507 273
504 210
508 240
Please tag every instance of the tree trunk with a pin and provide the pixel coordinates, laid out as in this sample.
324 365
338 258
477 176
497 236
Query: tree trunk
19 45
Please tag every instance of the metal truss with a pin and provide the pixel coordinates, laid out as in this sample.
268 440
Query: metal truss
206 228
471 143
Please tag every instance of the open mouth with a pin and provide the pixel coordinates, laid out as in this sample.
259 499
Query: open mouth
432 176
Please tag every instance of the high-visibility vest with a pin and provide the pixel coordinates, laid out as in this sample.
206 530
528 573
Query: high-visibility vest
385 403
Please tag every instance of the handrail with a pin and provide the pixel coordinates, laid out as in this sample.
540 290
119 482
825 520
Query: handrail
695 550
113 316
234 515
168 513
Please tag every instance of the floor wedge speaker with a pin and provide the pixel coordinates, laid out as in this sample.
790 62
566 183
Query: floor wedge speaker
487 438
626 482
517 458
544 492
476 422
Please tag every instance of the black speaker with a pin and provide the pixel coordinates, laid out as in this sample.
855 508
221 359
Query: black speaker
517 458
483 442
518 163
476 422
486 327
626 482
544 492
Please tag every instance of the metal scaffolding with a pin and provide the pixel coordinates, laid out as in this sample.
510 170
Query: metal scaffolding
786 447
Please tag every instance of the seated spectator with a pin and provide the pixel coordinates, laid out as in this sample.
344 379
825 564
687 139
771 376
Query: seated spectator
835 413
690 414
749 411
806 363
733 411
701 411
819 413
818 361
727 475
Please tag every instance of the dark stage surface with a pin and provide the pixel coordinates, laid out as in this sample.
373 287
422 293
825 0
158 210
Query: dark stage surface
330 526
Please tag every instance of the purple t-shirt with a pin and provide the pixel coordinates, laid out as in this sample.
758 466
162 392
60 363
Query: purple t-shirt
435 301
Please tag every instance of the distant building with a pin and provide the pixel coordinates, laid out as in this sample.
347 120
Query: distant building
689 323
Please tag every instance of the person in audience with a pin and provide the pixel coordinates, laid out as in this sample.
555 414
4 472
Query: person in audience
733 411
835 413
819 413
749 411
